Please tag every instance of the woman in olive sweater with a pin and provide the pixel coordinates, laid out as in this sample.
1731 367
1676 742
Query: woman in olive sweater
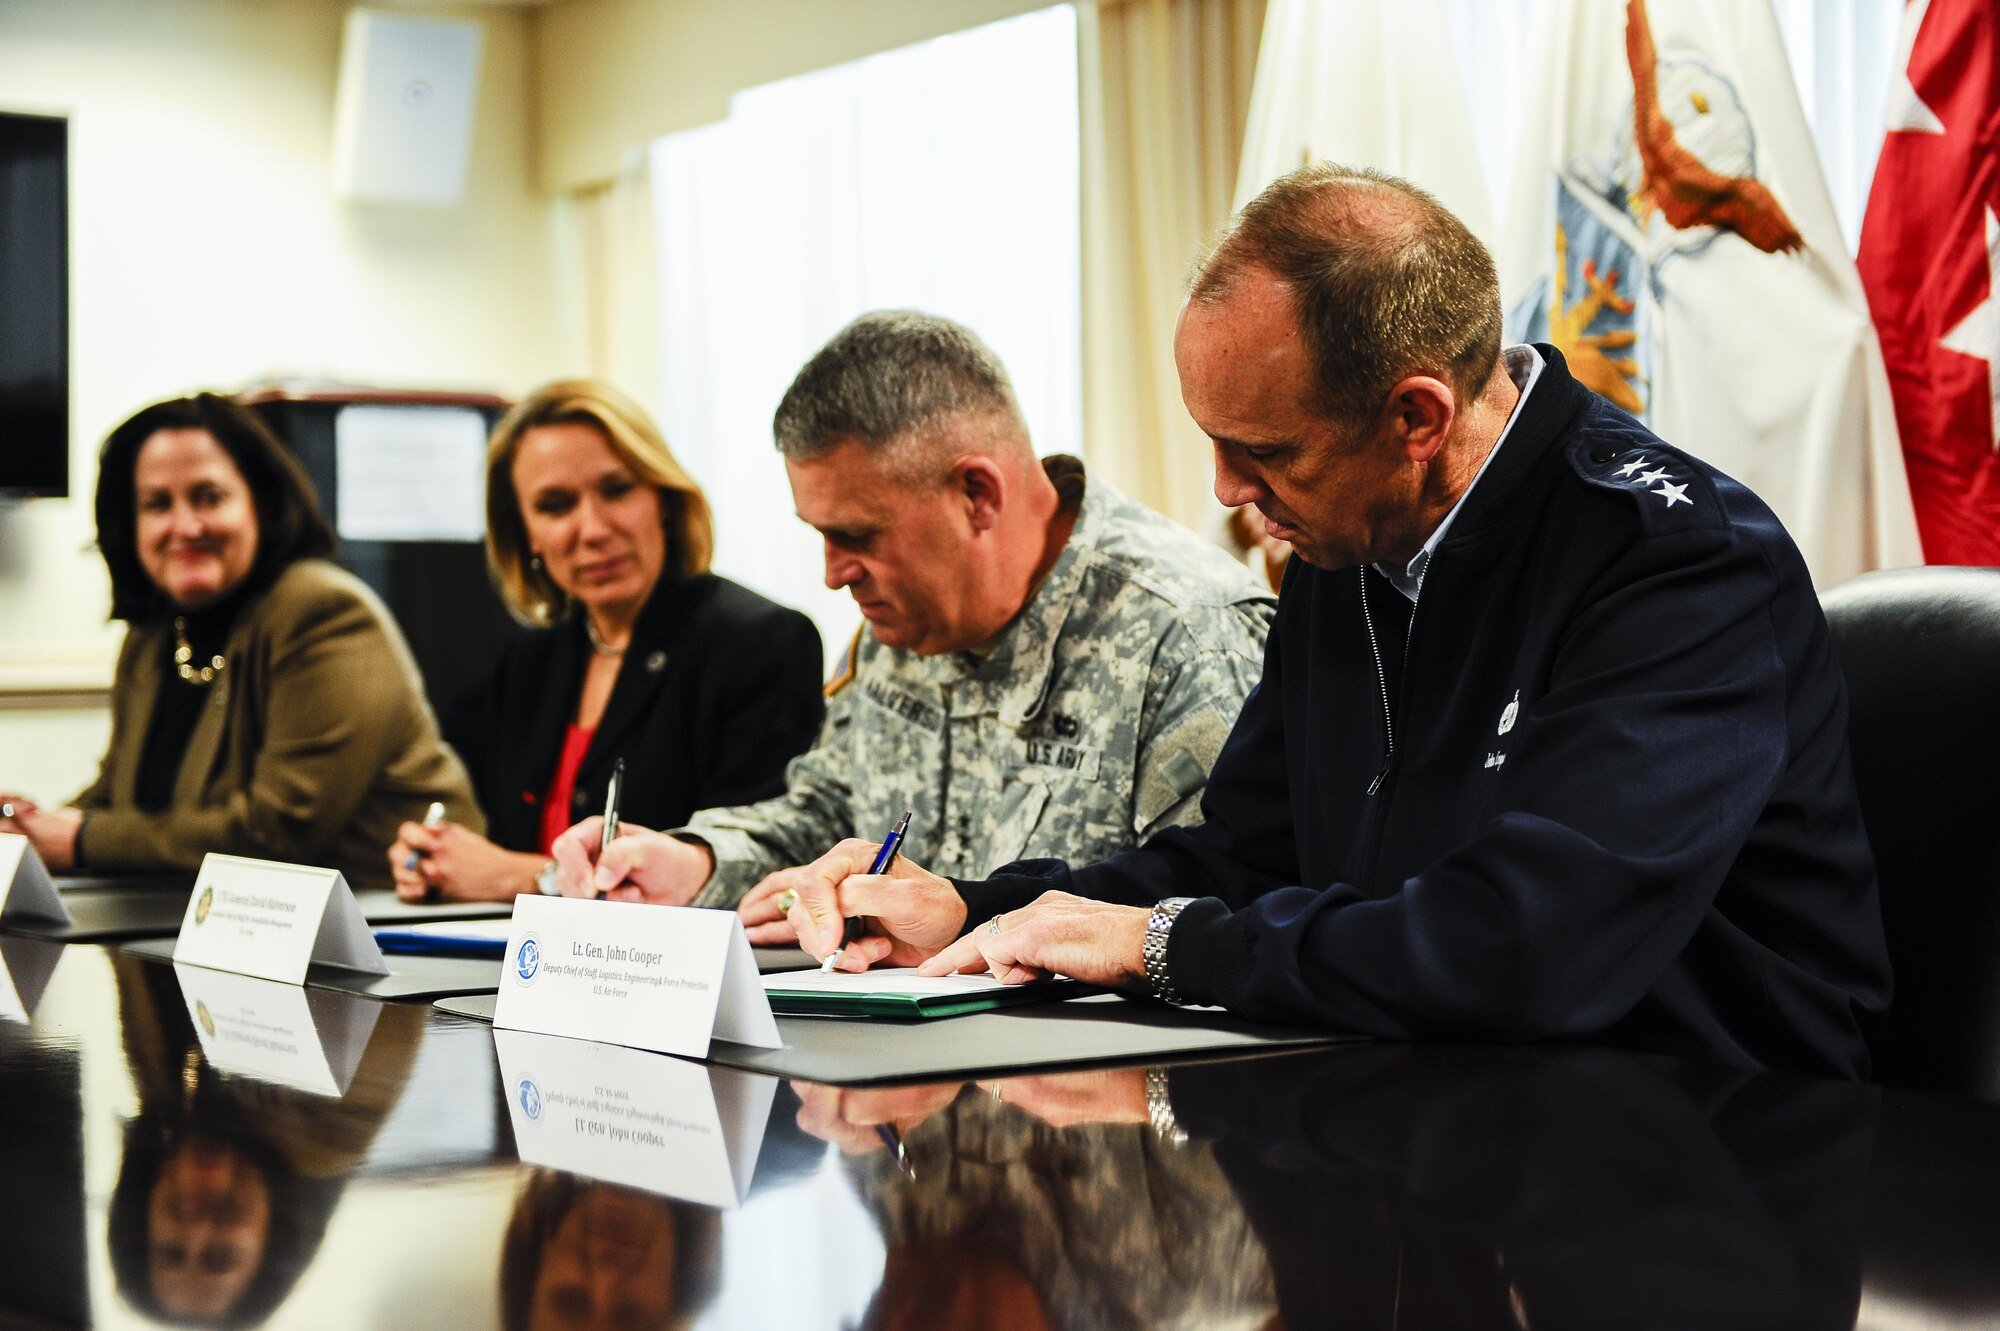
264 703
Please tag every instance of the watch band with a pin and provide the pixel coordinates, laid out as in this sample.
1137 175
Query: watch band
1154 950
1160 1109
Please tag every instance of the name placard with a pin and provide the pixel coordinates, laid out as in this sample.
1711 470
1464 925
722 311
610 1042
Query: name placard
273 920
667 978
275 1032
26 890
663 1124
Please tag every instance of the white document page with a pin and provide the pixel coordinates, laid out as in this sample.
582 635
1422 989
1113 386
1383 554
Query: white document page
902 981
495 930
410 473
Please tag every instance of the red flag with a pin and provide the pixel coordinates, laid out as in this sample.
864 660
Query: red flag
1930 260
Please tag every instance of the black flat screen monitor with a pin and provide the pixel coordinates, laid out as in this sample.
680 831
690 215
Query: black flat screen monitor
34 305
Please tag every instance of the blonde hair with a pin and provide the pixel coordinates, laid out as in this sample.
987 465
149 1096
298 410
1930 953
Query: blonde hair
530 593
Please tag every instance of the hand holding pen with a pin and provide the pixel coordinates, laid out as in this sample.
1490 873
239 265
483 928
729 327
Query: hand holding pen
433 819
850 931
905 913
410 863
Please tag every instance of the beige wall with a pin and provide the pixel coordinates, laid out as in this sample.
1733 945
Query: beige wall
207 250
613 75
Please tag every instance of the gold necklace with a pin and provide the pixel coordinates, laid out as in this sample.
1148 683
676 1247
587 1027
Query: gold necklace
184 657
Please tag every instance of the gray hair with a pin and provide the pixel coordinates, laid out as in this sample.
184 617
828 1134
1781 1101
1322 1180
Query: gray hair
1385 282
889 380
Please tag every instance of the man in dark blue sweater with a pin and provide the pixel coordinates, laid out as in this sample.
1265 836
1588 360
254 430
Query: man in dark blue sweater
1550 742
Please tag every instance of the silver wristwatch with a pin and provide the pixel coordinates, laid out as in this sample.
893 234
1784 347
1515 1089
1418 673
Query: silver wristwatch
1154 950
545 880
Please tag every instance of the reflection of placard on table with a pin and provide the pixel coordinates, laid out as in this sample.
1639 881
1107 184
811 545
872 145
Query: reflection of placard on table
409 473
275 1032
25 967
645 1120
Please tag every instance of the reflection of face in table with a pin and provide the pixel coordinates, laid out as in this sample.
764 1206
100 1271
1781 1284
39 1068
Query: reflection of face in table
227 1183
584 1256
207 1224
956 1282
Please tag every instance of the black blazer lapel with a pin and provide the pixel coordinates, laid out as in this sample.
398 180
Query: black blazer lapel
666 629
556 679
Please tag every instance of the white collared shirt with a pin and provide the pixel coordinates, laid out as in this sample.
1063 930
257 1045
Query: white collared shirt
1524 366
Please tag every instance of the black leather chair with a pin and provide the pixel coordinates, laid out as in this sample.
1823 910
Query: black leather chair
1921 650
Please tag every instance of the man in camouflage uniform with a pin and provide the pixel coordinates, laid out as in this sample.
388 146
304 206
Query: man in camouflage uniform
1046 665
1044 1202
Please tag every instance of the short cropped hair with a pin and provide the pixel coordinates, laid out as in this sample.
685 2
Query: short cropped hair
290 526
1385 282
530 593
546 1198
887 381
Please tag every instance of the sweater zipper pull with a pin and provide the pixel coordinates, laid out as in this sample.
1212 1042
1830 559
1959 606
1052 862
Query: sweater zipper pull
1376 784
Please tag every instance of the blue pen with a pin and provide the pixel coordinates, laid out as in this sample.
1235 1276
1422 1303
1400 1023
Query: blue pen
894 1141
851 930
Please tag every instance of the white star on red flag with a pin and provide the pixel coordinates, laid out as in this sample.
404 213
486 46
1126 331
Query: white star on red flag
1930 262
1978 333
1907 111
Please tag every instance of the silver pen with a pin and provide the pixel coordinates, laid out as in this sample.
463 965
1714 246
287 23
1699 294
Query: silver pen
611 793
433 817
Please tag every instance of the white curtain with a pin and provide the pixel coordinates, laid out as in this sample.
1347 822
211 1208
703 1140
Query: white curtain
1362 83
1165 93
614 251
1843 53
943 177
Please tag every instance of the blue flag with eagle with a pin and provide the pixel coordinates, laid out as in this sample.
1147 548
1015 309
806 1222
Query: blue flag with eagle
1670 231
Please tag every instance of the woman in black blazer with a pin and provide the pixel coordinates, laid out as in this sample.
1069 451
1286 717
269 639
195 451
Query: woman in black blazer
599 539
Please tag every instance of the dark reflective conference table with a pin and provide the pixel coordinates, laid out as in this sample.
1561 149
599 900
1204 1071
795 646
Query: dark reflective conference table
189 1149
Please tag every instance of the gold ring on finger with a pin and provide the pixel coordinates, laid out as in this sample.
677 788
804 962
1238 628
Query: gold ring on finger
786 900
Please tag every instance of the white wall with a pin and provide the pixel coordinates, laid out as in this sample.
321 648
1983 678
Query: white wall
613 75
207 250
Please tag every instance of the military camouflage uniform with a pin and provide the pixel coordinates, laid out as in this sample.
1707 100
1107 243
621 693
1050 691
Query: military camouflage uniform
1090 724
1113 1227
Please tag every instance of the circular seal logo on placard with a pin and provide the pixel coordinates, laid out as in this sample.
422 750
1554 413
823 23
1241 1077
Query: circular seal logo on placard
527 960
201 907
531 1099
202 1015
